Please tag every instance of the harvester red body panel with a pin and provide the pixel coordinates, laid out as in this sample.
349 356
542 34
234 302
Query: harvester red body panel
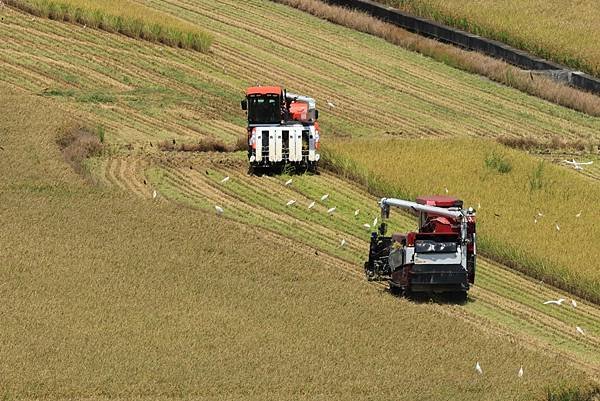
439 257
282 128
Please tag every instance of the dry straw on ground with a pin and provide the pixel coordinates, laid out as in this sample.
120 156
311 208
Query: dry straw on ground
204 145
477 63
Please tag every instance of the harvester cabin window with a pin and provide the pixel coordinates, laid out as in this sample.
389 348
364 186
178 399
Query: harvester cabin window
263 109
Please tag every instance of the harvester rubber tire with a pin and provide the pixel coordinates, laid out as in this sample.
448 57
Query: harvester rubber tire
395 291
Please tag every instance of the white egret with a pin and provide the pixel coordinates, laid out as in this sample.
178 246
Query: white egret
555 302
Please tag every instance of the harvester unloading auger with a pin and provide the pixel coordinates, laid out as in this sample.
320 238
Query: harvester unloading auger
439 258
282 129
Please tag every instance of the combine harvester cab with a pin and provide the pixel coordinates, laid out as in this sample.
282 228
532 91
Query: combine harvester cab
439 258
282 129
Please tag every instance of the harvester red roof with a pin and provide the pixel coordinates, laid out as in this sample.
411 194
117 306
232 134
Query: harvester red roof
263 90
439 201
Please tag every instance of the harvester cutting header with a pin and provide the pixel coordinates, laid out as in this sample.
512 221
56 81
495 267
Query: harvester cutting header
282 128
438 258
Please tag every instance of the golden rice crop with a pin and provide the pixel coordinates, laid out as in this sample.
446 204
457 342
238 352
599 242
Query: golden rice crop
127 17
548 28
528 208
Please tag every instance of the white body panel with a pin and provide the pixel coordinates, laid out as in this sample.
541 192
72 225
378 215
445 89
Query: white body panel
258 151
272 144
313 138
276 136
439 258
295 142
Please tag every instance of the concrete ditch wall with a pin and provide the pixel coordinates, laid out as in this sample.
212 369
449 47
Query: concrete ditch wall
469 41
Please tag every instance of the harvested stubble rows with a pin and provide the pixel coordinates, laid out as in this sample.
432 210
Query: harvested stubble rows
151 92
85 317
548 28
535 216
502 301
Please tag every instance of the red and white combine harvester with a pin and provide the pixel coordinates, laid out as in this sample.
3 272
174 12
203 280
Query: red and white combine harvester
439 258
282 129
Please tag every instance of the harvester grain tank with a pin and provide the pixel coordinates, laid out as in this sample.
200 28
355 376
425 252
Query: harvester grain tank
282 128
439 257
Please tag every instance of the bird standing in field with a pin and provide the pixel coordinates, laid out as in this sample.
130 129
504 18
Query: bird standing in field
579 214
311 205
374 222
367 226
478 368
557 226
553 302
356 212
324 197
288 182
574 303
577 165
224 180
342 243
520 374
579 330
290 203
331 104
331 210
154 194
219 210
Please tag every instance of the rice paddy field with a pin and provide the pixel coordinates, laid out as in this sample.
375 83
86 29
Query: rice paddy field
262 302
175 315
549 29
